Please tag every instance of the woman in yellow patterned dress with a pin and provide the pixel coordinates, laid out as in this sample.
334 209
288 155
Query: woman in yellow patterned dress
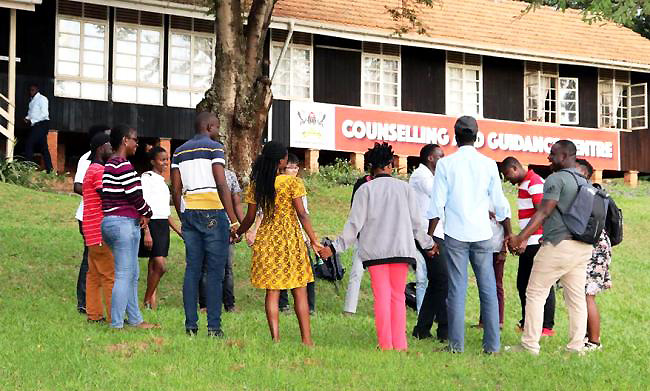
280 259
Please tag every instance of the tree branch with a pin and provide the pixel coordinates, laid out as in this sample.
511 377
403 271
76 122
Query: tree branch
259 18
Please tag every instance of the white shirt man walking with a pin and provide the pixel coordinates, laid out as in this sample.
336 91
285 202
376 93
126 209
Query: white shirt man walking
38 118
465 185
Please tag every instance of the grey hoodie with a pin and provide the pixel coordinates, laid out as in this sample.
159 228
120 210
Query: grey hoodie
387 220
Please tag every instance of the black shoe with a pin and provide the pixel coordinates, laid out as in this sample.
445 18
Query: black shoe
419 335
284 309
191 332
446 349
102 320
216 333
81 310
312 312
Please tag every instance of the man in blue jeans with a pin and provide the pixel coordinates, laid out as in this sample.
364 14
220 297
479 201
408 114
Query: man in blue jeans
202 199
465 185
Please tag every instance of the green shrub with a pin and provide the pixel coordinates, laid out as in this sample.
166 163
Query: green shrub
26 174
339 173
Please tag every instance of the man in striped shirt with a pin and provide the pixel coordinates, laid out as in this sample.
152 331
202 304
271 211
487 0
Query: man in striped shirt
531 189
203 202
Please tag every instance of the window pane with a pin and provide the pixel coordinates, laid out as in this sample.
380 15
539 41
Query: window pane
204 69
125 74
95 91
455 85
94 43
182 40
93 71
300 92
68 68
391 77
70 89
371 63
148 49
69 26
203 49
178 98
150 36
179 67
152 96
371 99
69 40
280 89
371 75
179 80
94 30
125 60
390 101
389 89
123 33
147 76
197 98
66 54
126 47
124 93
455 73
201 82
179 53
371 88
391 65
91 57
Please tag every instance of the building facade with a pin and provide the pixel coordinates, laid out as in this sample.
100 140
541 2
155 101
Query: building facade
347 80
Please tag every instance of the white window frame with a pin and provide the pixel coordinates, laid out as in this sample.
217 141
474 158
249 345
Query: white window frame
464 67
289 54
381 58
193 35
561 100
138 83
81 79
614 106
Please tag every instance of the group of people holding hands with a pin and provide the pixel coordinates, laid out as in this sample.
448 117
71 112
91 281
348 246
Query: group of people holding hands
453 212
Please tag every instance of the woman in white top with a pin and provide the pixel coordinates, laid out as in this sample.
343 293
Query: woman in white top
155 240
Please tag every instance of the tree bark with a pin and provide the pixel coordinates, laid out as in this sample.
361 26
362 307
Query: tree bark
240 94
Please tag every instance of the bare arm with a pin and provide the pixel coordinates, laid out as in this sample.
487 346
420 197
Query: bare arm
174 226
303 216
239 210
77 188
177 188
224 191
433 223
249 219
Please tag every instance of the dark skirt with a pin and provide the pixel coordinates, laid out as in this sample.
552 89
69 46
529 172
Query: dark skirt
159 229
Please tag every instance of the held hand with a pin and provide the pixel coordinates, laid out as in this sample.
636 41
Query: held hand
492 215
250 238
144 221
433 251
234 237
325 252
506 242
317 247
516 245
148 240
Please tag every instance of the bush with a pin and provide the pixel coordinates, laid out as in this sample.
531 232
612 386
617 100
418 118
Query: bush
25 173
339 173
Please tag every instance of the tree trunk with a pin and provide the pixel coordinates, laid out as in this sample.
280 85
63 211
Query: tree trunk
240 94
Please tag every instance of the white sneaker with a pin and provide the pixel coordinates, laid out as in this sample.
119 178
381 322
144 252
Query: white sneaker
593 347
519 349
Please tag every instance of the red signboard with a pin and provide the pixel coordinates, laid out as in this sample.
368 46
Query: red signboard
358 129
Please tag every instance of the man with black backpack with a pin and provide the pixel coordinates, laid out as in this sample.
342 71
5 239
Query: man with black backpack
561 256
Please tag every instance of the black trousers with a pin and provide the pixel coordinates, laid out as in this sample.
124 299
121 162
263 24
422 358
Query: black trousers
81 279
311 290
228 285
37 141
523 275
434 303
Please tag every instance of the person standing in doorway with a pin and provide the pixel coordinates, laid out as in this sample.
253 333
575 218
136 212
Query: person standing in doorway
82 166
199 184
154 243
38 118
560 256
280 259
434 303
530 193
465 185
101 268
125 213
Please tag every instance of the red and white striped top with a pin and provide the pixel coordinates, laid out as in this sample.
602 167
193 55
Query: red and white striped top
531 192
92 212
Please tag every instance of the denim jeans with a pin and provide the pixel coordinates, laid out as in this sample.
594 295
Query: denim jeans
228 288
122 234
480 256
206 242
421 280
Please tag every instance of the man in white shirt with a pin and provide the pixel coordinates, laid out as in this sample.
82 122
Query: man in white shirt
465 185
38 118
82 167
434 304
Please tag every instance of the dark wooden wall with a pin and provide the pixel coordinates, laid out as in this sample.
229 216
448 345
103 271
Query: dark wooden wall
503 88
280 121
587 92
337 73
423 80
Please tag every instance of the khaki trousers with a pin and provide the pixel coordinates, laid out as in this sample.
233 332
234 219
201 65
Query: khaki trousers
100 279
567 262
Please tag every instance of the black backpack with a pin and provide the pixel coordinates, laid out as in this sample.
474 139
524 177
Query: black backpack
585 217
613 222
330 269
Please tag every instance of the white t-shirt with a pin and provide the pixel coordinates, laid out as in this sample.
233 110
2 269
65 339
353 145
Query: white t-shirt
156 193
82 167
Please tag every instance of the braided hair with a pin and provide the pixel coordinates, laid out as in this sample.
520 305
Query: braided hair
263 175
380 156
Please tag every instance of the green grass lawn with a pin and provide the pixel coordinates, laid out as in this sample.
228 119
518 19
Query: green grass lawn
46 345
